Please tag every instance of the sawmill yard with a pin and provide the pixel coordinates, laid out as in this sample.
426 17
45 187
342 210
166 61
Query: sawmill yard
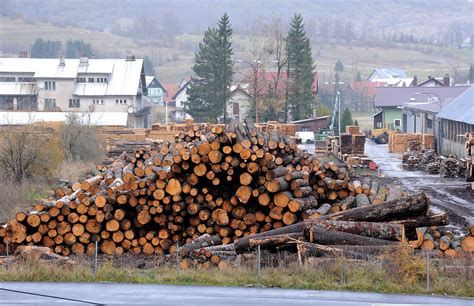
243 205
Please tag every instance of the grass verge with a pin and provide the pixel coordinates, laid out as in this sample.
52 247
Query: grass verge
353 278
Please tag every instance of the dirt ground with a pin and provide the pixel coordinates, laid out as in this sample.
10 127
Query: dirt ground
448 194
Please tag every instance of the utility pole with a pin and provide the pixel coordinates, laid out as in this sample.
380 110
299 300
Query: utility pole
286 89
255 89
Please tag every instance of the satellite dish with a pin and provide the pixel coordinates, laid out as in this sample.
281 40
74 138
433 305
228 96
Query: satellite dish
130 109
40 85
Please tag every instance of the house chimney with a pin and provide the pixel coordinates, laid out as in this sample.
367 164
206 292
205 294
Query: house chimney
23 54
446 80
415 81
130 58
429 77
62 62
84 61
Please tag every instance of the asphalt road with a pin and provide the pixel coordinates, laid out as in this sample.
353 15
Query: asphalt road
106 293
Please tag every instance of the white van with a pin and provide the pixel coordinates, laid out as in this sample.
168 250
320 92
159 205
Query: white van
305 137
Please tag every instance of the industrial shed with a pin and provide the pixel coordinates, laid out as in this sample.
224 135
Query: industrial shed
455 120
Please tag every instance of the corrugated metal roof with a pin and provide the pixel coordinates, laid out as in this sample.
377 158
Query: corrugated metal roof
123 75
96 118
16 89
461 109
399 96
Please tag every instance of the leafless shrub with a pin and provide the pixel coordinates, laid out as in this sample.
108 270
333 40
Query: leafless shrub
79 138
25 154
16 196
73 169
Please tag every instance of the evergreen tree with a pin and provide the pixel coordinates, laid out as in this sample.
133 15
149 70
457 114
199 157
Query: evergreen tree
346 119
339 67
209 89
300 96
78 48
46 49
358 76
148 66
356 123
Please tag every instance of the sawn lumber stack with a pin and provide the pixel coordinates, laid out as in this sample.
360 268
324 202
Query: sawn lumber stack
228 182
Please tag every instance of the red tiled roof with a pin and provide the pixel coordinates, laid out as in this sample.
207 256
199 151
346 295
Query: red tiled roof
367 87
171 90
266 80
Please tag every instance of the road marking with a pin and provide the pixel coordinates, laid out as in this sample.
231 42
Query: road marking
50 296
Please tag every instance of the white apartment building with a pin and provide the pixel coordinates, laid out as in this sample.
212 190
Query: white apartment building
100 86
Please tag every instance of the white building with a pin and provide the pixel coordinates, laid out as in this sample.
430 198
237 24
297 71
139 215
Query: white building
180 98
239 104
75 85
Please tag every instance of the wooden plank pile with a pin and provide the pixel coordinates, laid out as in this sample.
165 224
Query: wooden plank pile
397 143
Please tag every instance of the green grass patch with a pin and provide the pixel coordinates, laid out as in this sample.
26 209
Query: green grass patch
353 278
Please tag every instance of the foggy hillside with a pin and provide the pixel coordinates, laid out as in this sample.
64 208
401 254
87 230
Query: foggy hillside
422 18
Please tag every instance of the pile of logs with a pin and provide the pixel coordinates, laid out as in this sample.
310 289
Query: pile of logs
443 241
232 182
360 233
413 145
449 166
430 162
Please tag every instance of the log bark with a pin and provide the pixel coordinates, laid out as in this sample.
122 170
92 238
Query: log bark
410 206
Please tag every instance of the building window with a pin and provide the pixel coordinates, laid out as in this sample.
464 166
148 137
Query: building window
235 108
116 101
81 80
124 101
74 103
7 79
429 123
91 80
397 122
98 101
49 103
25 79
101 80
50 85
305 129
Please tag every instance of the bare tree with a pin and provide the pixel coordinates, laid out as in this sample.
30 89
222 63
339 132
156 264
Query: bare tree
24 153
79 138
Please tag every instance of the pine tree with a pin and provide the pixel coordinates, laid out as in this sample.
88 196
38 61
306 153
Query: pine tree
300 96
78 48
346 119
148 66
339 67
358 76
210 87
356 123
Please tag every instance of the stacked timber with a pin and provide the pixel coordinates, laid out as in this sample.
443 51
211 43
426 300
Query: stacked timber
413 145
442 241
345 142
358 146
361 232
449 166
231 182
